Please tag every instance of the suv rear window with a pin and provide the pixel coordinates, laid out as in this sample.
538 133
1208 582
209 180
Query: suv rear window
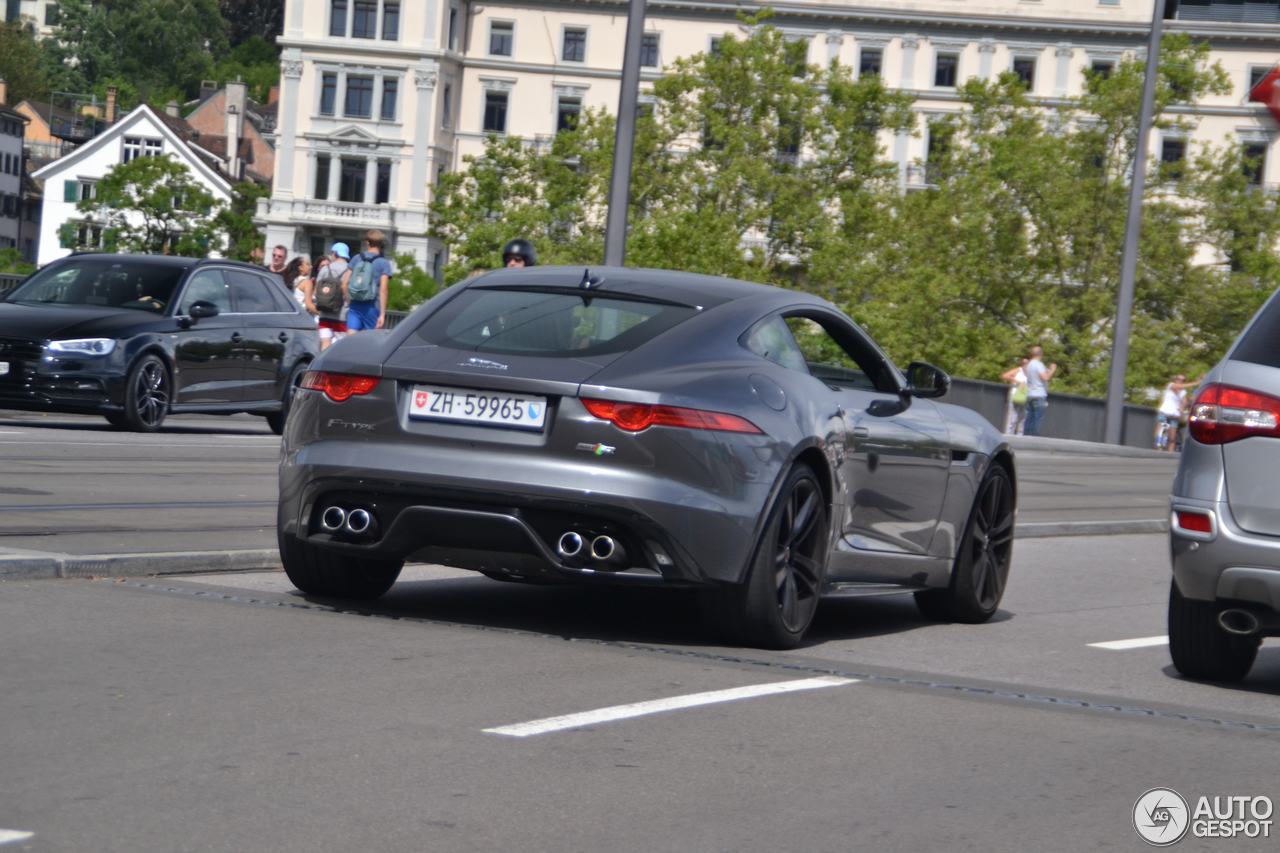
549 322
1261 344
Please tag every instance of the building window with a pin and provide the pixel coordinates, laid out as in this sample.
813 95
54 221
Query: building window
140 146
1256 73
382 190
501 37
390 88
870 62
568 109
359 100
944 69
338 18
575 45
1173 157
714 48
322 176
649 51
390 21
351 179
495 112
446 106
364 19
51 16
453 28
1102 68
1255 162
73 191
328 92
1025 68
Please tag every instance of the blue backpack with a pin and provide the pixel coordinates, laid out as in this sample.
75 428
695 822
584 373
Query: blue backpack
362 287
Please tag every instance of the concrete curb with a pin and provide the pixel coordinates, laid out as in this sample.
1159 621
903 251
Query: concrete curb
1045 529
164 562
1029 443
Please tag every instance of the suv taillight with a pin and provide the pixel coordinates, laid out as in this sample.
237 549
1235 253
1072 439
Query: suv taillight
1221 414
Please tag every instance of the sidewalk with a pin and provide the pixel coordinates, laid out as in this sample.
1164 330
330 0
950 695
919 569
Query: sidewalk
1039 444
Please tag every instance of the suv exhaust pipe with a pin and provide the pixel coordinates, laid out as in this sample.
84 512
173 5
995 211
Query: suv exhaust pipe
1240 622
333 518
358 521
570 544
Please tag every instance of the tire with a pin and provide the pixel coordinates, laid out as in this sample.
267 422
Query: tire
317 571
277 420
147 393
1198 645
117 420
981 569
774 605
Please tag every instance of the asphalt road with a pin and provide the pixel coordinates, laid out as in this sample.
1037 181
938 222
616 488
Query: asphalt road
74 486
227 713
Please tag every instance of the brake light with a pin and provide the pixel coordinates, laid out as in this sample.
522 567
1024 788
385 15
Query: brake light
1221 414
339 386
1196 522
634 417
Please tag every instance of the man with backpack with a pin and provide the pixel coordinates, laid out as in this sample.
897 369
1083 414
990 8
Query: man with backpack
328 295
366 285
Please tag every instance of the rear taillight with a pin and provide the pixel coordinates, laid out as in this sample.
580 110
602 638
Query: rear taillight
634 417
1195 522
339 386
1221 414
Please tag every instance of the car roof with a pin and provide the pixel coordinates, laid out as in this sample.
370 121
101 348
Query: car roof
686 288
158 260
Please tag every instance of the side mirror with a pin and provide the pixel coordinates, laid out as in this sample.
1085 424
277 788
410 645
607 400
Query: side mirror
925 380
202 309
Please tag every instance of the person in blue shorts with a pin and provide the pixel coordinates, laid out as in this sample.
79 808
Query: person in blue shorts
365 285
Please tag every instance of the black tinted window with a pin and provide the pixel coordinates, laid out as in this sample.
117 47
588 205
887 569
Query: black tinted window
106 282
251 293
549 323
1261 344
206 286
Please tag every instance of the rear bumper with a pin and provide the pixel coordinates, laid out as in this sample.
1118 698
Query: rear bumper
428 503
1227 564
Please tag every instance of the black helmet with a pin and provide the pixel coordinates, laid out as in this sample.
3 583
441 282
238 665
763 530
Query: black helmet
520 248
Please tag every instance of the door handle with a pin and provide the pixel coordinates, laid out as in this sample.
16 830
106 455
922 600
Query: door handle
861 432
284 336
236 337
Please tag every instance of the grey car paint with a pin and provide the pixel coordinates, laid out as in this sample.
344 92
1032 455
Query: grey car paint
901 482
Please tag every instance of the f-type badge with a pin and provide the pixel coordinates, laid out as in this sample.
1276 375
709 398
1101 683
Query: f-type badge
483 362
597 449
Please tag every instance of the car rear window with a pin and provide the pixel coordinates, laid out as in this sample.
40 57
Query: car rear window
1261 343
549 322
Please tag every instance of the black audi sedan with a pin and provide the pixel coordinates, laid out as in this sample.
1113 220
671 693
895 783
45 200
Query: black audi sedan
137 337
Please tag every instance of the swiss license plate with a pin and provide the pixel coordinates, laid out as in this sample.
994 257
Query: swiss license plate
468 405
4 368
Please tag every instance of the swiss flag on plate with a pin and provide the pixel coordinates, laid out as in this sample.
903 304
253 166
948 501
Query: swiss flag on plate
420 399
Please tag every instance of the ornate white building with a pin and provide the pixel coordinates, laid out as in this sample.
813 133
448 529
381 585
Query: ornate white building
379 97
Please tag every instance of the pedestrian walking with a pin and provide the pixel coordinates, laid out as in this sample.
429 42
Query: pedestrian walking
1038 378
329 297
519 253
366 285
1016 415
297 278
1173 403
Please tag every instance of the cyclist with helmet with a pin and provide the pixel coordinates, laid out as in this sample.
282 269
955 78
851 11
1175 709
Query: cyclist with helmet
519 253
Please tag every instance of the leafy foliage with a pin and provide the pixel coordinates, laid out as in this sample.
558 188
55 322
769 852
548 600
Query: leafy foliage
236 220
410 286
151 205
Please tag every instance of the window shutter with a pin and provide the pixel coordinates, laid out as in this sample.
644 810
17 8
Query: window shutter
71 191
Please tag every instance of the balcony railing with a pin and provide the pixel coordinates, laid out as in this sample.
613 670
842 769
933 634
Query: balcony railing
343 213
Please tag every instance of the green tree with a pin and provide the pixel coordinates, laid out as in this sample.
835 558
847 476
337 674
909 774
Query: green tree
21 64
151 205
410 286
235 220
255 62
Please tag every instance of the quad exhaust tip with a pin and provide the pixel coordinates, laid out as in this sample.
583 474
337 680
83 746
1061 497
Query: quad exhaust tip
603 547
1239 622
333 518
570 544
358 521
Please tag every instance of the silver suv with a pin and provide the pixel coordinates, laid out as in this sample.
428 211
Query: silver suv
1225 528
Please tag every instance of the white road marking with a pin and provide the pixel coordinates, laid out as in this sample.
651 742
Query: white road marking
9 836
1139 643
672 703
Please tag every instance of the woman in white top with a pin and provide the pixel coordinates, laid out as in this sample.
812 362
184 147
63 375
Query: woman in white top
1169 415
297 277
1016 416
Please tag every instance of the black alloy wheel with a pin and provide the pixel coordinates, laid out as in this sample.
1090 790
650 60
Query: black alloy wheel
277 420
981 570
146 396
776 604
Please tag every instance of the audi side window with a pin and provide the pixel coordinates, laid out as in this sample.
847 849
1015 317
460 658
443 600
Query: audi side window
284 301
206 286
251 294
827 359
773 340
